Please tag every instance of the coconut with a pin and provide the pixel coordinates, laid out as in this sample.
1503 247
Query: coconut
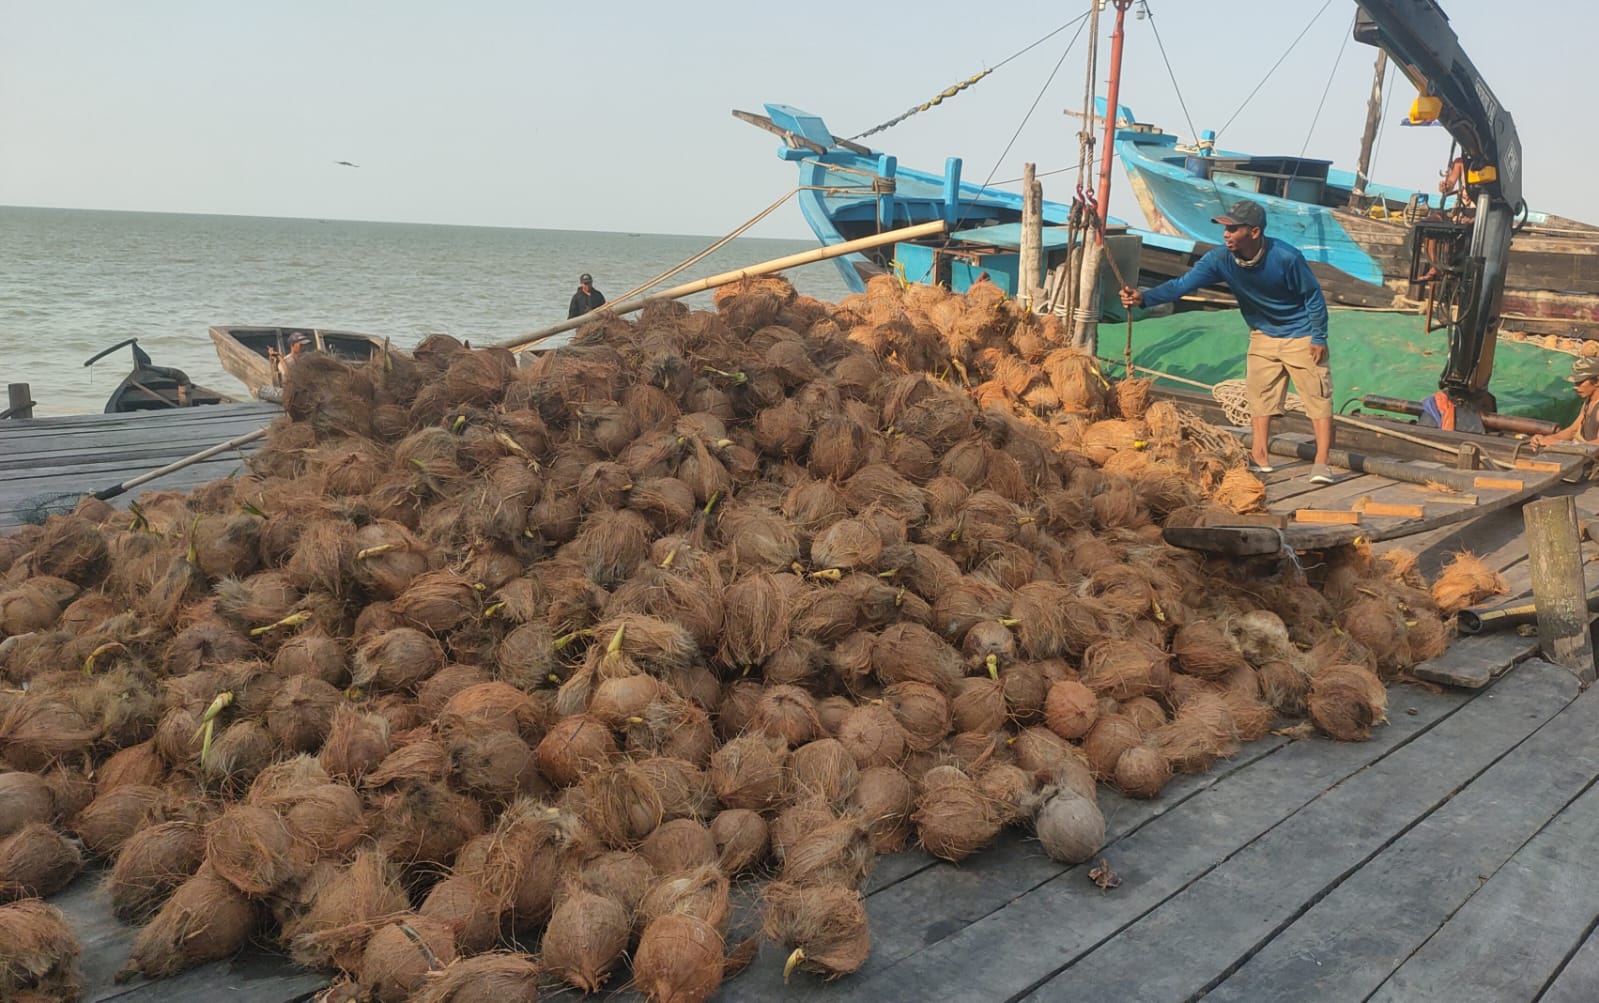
1284 685
40 951
837 853
799 818
1346 700
1466 581
484 978
112 817
701 893
620 804
1378 625
324 819
494 765
749 772
679 845
1201 732
151 865
585 939
617 700
301 712
674 731
256 601
312 653
396 659
1070 709
756 614
1202 650
424 823
955 819
826 769
572 747
787 713
71 790
1040 751
356 744
1142 771
250 847
400 955
469 911
825 927
922 711
873 736
910 652
423 760
1428 636
679 959
238 752
979 705
1009 788
847 544
1069 826
36 861
343 913
742 840
491 706
35 731
1251 717
436 691
526 656
1104 744
206 919
24 798
1125 668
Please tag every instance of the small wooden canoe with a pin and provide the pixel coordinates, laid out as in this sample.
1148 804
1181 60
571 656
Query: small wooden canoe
243 350
154 388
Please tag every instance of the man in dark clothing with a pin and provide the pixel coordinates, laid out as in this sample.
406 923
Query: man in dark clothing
586 298
1287 316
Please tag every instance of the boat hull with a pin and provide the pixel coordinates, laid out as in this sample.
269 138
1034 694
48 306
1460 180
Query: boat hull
242 350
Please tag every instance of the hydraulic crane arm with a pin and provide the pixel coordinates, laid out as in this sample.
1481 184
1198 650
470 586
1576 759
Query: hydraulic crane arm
1417 36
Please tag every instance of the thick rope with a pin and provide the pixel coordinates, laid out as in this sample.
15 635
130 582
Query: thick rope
690 262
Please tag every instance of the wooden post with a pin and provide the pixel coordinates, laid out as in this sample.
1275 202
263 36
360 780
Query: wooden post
1369 138
19 403
1032 257
1554 557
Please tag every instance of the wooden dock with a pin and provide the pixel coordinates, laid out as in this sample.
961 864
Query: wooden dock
56 458
1448 858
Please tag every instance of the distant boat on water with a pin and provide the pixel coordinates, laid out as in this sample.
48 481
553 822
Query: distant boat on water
243 350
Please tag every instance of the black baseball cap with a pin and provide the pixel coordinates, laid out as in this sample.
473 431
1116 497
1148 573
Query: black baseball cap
585 277
1243 213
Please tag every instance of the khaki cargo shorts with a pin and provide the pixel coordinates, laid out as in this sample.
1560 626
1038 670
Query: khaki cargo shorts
1270 365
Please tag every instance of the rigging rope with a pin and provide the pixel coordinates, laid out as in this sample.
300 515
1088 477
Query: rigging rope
1171 73
1325 91
690 262
955 89
1274 66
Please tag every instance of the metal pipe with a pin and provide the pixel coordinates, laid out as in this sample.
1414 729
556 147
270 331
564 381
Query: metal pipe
1483 621
1495 422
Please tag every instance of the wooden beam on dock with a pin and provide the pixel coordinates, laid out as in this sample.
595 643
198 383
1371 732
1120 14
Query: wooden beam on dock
1554 557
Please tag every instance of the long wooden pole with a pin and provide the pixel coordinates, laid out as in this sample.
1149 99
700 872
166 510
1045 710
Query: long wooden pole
1554 558
1368 138
526 341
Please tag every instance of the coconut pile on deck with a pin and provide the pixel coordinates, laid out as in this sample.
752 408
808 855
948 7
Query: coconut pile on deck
488 678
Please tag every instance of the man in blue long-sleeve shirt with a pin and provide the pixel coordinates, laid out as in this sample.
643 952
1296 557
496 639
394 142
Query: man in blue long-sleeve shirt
1287 316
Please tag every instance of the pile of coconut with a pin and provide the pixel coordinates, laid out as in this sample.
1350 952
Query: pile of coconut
489 677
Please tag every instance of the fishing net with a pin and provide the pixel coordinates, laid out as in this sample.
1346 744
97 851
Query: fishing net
34 511
1233 396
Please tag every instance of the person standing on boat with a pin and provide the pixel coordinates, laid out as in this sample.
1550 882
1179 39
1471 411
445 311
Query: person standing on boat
586 298
299 344
1287 315
1585 376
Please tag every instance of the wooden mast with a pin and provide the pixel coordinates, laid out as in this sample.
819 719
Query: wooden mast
1368 138
1085 332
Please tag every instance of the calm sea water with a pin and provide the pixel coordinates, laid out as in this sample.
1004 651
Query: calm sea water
73 282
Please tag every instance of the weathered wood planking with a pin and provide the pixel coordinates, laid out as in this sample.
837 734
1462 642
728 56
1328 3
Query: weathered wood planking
57 458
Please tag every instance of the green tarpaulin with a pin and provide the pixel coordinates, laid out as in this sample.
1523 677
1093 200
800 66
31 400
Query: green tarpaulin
1371 353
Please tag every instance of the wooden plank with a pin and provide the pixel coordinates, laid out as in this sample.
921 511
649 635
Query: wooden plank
1540 465
1327 517
1366 506
1348 943
1472 662
1517 931
1194 939
1275 520
1008 952
1498 484
1578 981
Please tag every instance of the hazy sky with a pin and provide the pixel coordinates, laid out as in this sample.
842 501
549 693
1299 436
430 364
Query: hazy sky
616 116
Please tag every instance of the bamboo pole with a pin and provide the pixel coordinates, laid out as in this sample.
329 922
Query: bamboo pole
1554 557
524 342
1031 261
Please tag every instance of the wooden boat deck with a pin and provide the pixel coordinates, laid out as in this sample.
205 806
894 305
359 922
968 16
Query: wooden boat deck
49 457
1447 858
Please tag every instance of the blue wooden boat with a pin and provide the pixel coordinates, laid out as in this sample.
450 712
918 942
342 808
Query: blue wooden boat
849 191
1552 283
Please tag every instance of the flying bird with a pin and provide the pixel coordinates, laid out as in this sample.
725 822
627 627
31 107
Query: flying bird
346 163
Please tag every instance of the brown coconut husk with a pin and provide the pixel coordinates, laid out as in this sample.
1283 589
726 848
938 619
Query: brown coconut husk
825 928
1111 735
424 823
483 978
749 772
873 736
151 865
24 798
701 893
1124 669
837 853
436 691
955 819
585 939
469 911
786 712
301 712
742 840
1346 700
1380 627
71 789
491 706
1142 771
1009 788
794 821
344 912
1240 491
826 769
1026 688
496 766
114 816
757 611
400 954
324 819
1466 581
238 752
736 706
1070 827
1201 732
1202 649
1070 709
910 652
35 604
438 601
1284 685
619 875
36 731
396 659
679 959
979 705
421 760
36 861
1429 636
573 746
678 845
206 919
313 653
71 547
618 700
40 951
922 710
387 558
621 805
674 730
251 848
356 744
